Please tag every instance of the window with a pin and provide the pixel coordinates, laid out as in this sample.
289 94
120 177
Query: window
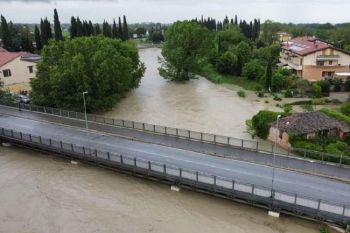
330 63
301 61
320 63
7 73
30 68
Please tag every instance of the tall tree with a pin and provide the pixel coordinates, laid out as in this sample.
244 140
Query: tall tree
26 42
125 29
57 27
97 29
120 29
37 38
73 27
106 29
268 76
6 34
79 28
114 30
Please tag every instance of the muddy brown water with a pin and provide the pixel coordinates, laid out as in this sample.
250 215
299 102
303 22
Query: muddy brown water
199 104
43 193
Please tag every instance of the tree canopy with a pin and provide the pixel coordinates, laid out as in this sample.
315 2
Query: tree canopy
185 42
104 67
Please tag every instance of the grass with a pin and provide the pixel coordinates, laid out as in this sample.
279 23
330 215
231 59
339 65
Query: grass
209 72
338 115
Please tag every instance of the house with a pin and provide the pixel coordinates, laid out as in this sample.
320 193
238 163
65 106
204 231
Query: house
17 69
283 37
313 59
308 125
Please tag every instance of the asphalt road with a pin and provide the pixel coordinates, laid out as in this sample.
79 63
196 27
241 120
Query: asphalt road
293 163
293 182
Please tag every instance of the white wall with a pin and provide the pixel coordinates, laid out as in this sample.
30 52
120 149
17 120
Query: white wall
19 72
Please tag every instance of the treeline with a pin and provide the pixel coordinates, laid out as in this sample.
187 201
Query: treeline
251 30
15 37
21 38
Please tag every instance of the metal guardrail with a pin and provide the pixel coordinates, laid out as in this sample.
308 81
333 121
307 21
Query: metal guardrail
254 194
264 147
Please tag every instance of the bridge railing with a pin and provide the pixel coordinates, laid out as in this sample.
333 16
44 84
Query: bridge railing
278 200
261 146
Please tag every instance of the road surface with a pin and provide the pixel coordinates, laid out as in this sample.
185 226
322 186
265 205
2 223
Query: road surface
288 181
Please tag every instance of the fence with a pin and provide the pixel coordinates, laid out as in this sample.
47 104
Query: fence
254 194
264 147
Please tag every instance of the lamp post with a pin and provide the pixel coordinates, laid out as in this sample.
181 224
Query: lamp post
86 123
274 154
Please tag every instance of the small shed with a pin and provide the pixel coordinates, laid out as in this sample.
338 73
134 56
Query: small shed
308 125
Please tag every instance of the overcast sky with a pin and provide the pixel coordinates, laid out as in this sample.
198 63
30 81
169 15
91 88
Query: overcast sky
166 11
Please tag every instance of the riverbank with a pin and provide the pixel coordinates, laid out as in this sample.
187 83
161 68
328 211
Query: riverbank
44 193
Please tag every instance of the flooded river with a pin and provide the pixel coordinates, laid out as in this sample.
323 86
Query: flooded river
199 104
43 193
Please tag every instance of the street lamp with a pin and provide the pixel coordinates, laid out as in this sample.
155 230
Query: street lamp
274 153
86 123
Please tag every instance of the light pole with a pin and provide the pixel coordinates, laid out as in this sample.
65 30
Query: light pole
274 153
86 123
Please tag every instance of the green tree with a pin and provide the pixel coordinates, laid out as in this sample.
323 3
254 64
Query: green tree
125 29
120 29
114 30
140 31
261 122
104 67
37 38
227 63
244 54
185 42
57 27
73 27
268 76
5 34
316 90
46 32
325 86
26 41
226 39
279 80
253 70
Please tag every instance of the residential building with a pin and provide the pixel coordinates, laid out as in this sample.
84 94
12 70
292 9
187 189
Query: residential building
313 59
283 36
308 125
17 69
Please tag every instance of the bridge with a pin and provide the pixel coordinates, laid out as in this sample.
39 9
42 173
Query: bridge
204 162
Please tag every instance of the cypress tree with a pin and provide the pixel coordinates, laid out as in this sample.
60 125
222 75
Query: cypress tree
125 29
268 76
26 42
43 35
114 30
73 27
79 28
236 20
57 27
120 29
6 34
48 29
91 28
97 29
106 29
37 38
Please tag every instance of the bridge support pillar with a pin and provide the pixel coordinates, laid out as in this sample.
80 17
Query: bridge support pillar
175 188
274 214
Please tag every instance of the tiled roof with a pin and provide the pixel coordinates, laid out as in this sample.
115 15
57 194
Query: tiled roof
6 57
310 122
305 45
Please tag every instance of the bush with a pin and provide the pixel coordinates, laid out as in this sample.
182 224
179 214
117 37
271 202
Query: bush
277 97
316 90
287 109
307 107
253 70
337 85
261 122
337 115
347 85
261 94
289 94
325 86
338 148
241 93
279 80
345 108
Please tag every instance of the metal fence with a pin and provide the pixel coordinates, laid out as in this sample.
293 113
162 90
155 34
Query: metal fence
254 194
263 146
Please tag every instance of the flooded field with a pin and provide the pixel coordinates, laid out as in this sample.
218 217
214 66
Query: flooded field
42 193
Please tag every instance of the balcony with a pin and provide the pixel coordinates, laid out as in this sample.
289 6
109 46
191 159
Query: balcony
327 58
